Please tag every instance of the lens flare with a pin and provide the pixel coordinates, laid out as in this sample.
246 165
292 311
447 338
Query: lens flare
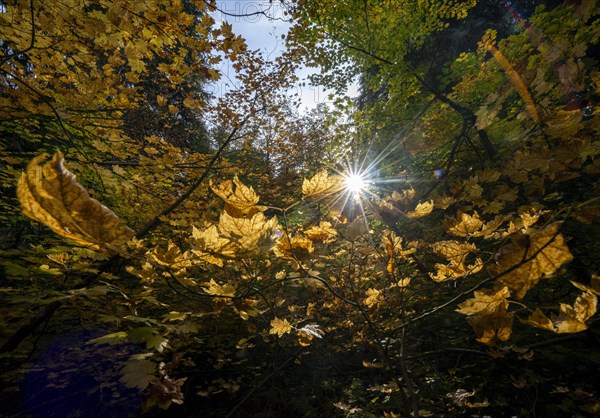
355 183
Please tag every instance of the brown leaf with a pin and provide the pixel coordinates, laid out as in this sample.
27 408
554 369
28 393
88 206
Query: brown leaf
49 194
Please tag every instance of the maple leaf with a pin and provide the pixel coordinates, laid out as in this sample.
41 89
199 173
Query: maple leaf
485 301
49 194
464 224
280 327
138 373
240 200
453 250
248 235
175 316
321 185
210 246
213 288
539 320
374 298
570 319
393 245
492 326
246 308
298 246
234 237
533 255
322 233
110 339
171 257
422 209
147 273
455 270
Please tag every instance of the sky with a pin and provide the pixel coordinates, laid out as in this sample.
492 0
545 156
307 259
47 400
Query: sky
264 33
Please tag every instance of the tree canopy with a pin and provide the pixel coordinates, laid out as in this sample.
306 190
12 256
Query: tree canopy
427 248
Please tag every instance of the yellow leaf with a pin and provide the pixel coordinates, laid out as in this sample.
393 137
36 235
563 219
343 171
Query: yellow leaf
234 237
532 255
171 257
49 194
240 200
299 247
402 283
539 320
246 308
213 288
374 298
280 327
585 306
321 185
248 235
463 225
455 270
421 210
211 247
147 273
175 316
453 250
322 233
161 100
372 365
571 319
492 326
485 301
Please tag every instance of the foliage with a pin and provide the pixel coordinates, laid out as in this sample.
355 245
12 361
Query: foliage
441 293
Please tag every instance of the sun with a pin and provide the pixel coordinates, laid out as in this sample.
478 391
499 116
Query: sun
355 183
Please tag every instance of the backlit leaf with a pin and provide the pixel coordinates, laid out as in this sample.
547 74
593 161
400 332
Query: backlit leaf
322 185
280 327
485 301
421 210
49 194
493 326
240 200
532 255
374 298
322 233
298 246
454 250
539 320
464 224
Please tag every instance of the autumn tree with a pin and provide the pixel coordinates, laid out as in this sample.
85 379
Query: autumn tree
426 280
